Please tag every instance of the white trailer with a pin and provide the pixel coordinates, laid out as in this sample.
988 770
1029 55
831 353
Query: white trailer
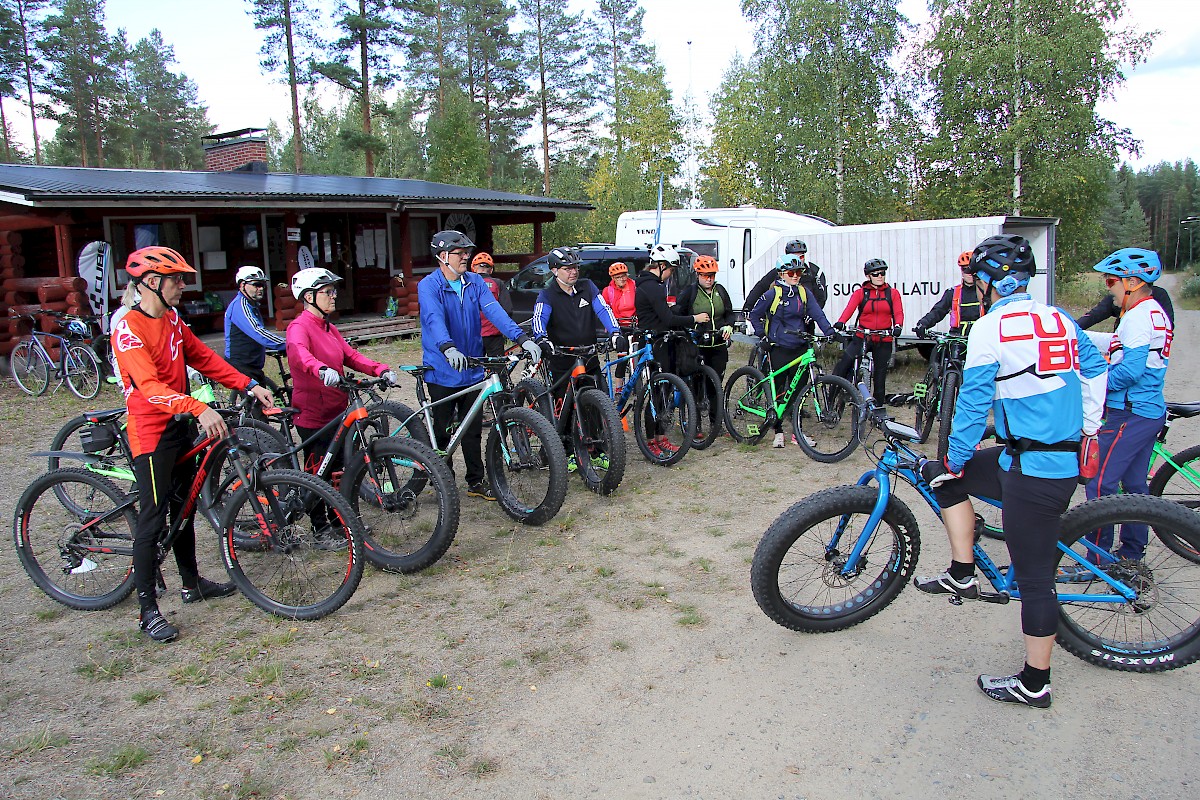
922 256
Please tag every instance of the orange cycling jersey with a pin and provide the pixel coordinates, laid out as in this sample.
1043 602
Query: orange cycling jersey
152 355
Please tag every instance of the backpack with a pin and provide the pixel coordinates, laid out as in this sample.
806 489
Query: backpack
778 300
888 297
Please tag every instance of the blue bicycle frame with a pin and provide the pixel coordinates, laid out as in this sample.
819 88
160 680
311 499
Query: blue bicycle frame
644 357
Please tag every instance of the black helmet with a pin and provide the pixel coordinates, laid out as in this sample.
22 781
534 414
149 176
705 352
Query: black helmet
1004 262
796 247
564 257
874 265
444 241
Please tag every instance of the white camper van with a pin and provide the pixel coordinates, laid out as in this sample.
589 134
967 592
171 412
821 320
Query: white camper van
922 256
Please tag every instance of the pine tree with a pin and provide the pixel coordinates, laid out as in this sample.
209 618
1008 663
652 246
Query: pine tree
26 15
10 68
288 26
616 44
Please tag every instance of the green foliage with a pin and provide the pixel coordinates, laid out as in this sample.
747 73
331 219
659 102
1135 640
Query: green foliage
288 42
458 149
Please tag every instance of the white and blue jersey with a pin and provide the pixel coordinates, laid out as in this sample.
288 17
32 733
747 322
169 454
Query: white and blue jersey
1031 364
1138 360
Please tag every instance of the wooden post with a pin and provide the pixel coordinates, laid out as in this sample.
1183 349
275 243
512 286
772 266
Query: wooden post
405 248
537 239
291 249
62 243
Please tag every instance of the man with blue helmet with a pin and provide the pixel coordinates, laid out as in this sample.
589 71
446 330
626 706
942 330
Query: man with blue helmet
1135 408
1044 380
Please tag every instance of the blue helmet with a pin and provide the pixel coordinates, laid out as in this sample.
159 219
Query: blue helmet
1132 262
1004 262
788 261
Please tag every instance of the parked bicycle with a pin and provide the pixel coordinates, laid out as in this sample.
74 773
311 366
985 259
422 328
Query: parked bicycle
705 386
657 405
937 393
32 366
843 554
824 408
80 552
585 418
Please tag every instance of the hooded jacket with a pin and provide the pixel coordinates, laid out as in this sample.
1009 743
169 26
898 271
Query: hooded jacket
651 304
450 319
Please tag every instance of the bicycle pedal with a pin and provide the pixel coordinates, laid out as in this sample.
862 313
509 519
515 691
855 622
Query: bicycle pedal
1000 598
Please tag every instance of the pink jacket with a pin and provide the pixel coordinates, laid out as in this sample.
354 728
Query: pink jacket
621 302
312 344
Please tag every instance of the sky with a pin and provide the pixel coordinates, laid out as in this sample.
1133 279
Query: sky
217 46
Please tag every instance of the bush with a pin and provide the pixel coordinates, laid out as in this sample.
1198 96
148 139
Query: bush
1191 287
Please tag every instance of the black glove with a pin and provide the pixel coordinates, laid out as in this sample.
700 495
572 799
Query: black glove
936 473
896 330
921 331
547 347
619 343
839 326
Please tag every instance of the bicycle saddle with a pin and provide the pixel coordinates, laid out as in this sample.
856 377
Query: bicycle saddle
100 417
1176 410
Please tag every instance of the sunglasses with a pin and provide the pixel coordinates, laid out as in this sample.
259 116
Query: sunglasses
793 273
879 273
1111 281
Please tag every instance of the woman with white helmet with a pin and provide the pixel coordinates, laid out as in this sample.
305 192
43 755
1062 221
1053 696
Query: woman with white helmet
318 355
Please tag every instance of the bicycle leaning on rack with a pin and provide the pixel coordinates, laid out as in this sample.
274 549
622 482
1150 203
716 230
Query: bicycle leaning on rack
937 393
842 555
32 366
80 551
584 416
825 412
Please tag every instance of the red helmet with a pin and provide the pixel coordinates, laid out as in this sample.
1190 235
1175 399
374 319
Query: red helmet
706 265
156 260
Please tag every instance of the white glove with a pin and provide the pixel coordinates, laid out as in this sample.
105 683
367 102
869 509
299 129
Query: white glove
456 358
390 377
535 352
329 376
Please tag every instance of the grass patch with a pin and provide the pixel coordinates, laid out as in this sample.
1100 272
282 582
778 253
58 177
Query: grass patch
37 742
108 670
620 646
123 759
438 682
264 674
48 614
688 615
605 572
338 755
254 785
145 696
482 767
549 541
189 675
454 753
703 564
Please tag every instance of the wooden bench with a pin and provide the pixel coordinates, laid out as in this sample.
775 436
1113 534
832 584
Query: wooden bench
379 328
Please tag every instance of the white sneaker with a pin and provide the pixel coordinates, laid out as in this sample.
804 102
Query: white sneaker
808 440
778 443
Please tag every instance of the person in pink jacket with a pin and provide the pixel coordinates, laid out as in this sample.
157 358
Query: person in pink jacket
317 357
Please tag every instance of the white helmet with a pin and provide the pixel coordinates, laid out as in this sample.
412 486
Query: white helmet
250 274
311 278
665 252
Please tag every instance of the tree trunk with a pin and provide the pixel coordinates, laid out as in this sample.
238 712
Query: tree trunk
1016 194
441 55
616 94
541 40
487 120
291 57
4 124
839 118
369 153
37 146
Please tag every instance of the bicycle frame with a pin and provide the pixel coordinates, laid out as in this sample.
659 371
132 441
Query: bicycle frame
642 360
490 386
949 355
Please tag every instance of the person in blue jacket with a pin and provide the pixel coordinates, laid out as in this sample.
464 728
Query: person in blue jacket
1135 408
781 317
1043 379
451 299
247 339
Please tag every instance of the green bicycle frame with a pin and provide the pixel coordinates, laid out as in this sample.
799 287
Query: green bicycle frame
779 407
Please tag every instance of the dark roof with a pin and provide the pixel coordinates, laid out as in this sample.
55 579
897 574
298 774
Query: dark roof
81 186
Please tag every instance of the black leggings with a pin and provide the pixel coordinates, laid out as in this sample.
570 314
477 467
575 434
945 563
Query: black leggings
162 485
882 352
1031 527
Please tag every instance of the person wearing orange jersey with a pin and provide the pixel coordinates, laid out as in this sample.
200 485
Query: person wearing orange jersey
153 349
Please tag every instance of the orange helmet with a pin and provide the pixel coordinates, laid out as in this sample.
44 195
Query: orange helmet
156 260
617 268
482 258
964 259
706 265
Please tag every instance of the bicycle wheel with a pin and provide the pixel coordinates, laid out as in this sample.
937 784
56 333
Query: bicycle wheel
797 573
664 414
1177 486
29 368
532 393
710 409
926 393
83 371
1160 628
826 418
526 465
68 439
407 500
79 552
946 404
388 419
597 442
223 481
748 401
302 572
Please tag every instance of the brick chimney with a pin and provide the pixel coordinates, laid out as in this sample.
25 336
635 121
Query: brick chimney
242 150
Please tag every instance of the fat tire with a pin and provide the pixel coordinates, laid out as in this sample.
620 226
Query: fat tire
740 384
532 393
546 454
873 593
593 407
710 410
1175 630
428 480
344 566
117 576
678 388
832 391
946 406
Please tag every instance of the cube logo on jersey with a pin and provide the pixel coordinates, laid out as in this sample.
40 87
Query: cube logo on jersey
1057 349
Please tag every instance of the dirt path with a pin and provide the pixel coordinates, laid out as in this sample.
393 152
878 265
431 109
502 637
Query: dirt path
615 652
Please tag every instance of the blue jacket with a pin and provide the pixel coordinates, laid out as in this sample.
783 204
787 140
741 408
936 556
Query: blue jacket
450 320
789 316
247 339
1041 376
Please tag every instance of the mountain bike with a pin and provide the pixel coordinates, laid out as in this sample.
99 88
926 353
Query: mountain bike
705 386
32 366
399 488
937 393
584 417
524 457
840 556
660 404
80 552
824 408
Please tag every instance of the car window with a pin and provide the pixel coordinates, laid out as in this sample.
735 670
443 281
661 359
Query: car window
534 276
